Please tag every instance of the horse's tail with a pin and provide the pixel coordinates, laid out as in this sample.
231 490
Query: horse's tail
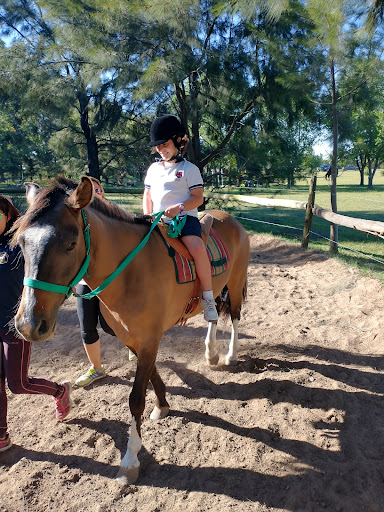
223 301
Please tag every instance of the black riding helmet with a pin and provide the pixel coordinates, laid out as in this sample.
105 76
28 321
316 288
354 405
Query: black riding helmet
164 128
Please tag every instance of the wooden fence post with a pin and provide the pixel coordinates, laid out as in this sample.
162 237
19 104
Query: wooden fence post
308 212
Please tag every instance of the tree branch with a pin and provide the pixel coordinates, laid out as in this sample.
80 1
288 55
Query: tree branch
227 137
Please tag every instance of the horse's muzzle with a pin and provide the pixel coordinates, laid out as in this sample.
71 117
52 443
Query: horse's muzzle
34 328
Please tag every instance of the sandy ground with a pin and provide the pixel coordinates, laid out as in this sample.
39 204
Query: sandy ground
297 426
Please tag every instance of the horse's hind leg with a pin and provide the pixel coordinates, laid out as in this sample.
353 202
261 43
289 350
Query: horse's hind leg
236 293
161 408
231 357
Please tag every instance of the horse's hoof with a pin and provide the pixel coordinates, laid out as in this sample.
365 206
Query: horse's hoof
127 476
159 413
213 361
231 362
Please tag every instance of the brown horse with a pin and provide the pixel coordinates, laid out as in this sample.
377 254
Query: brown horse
140 304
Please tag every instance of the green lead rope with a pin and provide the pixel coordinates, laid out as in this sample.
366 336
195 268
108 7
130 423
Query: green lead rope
124 263
175 229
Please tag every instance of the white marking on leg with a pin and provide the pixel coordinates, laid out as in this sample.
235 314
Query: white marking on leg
210 342
231 357
130 459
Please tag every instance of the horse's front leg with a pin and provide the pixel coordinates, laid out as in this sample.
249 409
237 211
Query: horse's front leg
161 408
211 352
130 465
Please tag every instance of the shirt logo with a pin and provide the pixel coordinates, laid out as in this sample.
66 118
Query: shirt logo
4 258
179 174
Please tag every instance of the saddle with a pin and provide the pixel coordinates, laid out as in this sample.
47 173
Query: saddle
217 252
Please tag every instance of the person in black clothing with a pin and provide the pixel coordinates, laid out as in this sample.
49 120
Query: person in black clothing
88 311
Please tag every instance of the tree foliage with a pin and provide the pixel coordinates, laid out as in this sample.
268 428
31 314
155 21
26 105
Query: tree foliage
80 82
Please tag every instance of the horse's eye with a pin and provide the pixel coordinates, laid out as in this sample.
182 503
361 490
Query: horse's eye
71 246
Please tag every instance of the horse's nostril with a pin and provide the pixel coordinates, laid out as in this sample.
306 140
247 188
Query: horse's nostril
43 328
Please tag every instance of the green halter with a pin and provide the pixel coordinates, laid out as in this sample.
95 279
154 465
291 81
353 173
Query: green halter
176 226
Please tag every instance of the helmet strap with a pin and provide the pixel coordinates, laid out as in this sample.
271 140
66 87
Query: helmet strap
177 158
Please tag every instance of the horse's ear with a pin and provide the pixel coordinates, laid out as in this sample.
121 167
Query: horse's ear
82 195
31 191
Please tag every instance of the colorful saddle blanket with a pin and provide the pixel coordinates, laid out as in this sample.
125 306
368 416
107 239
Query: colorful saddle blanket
217 253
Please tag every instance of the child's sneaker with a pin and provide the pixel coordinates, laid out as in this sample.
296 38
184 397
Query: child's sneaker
64 404
210 311
5 443
90 376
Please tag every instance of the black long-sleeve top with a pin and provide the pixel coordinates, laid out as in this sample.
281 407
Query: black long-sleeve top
11 280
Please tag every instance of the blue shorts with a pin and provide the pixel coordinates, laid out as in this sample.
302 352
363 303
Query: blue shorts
191 227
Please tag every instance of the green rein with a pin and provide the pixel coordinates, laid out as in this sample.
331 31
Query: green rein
175 229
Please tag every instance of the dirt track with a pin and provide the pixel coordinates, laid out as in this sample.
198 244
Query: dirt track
297 426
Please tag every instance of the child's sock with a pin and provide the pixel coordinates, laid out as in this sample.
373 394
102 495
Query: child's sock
208 294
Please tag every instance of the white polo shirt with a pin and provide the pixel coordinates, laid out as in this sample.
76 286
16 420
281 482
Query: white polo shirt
171 183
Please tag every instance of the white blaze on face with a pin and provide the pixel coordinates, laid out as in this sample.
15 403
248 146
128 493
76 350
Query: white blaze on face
35 240
130 459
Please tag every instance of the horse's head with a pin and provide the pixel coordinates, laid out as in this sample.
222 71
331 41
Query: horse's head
50 235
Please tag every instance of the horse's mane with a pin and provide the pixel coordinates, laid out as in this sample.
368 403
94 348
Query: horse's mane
61 188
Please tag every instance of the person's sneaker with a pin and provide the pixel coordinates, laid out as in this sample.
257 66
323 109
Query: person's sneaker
5 444
64 404
132 356
210 311
90 376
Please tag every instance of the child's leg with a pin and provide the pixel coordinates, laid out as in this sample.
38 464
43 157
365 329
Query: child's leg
3 396
196 247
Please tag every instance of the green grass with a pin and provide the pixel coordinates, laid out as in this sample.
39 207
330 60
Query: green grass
133 202
355 248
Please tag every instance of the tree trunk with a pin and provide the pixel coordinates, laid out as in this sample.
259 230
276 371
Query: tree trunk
361 177
361 166
90 137
370 175
194 153
334 234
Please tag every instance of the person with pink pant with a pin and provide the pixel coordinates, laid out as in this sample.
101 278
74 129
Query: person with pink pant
14 350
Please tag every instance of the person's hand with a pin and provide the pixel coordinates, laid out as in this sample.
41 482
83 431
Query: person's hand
172 211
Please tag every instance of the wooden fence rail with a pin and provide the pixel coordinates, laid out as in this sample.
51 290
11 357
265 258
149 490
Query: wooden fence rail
372 227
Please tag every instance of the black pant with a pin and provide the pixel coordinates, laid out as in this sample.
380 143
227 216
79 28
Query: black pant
88 311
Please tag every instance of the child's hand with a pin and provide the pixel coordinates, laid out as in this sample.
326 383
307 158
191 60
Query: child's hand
172 211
